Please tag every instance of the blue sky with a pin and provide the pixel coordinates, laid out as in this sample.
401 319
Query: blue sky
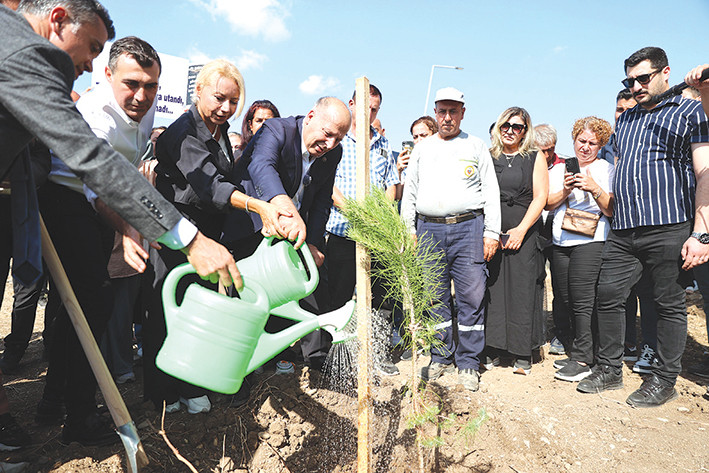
561 60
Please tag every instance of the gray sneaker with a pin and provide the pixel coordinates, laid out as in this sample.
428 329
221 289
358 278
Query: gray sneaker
435 370
469 378
647 359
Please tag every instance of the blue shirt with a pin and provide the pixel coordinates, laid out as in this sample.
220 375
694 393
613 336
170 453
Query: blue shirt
654 182
382 174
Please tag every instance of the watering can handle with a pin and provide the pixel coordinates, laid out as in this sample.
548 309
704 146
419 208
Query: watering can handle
304 250
312 267
169 287
253 293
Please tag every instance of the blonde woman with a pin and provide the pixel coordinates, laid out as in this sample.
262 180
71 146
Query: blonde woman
195 171
514 324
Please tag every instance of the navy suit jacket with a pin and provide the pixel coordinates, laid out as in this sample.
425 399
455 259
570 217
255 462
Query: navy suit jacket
272 164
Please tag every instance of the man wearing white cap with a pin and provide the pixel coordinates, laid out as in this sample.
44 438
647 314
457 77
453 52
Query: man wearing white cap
451 186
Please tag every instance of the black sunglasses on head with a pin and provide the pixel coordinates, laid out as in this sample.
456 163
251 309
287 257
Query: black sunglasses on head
516 128
643 79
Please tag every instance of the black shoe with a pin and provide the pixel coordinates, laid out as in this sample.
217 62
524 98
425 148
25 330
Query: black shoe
10 363
701 369
387 368
91 431
12 436
242 395
572 372
559 364
652 393
50 412
602 378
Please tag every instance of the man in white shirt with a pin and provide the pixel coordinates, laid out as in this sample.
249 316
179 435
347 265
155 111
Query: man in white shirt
452 190
121 112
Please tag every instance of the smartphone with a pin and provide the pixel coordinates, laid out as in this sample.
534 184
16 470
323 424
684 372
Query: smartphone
407 145
572 165
504 238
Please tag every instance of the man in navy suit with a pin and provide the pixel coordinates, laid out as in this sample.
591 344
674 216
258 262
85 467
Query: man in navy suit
291 162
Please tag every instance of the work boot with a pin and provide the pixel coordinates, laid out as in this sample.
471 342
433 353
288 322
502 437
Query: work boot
469 378
435 370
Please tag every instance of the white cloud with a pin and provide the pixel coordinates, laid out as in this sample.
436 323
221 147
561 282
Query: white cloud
558 49
195 56
264 18
318 85
250 60
247 60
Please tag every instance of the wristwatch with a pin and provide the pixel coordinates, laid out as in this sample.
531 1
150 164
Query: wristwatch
702 237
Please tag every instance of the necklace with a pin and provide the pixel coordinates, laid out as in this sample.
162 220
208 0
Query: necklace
510 159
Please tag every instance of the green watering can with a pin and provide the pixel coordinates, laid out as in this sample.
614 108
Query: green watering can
214 341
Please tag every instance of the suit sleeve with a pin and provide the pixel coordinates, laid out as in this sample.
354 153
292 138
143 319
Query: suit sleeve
263 167
36 94
196 163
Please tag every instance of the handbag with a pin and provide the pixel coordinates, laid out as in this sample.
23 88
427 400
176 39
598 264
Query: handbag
580 222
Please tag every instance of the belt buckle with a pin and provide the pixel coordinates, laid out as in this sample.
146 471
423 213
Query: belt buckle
450 220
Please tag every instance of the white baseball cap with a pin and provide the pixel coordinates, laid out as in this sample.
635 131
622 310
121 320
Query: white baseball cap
450 93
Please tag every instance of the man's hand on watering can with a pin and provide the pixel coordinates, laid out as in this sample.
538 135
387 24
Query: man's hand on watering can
270 215
212 261
318 257
293 227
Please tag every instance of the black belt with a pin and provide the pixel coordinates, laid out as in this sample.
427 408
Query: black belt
453 218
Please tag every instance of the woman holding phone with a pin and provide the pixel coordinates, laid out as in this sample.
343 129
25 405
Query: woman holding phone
515 321
583 184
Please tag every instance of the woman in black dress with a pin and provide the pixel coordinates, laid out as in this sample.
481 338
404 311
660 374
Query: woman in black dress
515 321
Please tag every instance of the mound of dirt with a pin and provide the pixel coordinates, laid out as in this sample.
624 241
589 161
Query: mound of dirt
301 423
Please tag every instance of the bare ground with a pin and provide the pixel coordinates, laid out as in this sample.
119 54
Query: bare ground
294 424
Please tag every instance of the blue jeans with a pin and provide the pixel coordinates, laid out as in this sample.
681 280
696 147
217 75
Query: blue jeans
627 253
460 246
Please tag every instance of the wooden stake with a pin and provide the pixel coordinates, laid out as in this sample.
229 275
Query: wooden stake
364 288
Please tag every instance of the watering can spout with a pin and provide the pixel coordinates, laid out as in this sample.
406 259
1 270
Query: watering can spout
271 344
336 321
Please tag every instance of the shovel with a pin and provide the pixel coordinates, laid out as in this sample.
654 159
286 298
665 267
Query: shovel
125 425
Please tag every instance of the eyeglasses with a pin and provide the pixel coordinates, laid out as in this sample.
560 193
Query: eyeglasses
516 128
643 79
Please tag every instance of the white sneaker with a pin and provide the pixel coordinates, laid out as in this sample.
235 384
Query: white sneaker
174 407
644 363
197 405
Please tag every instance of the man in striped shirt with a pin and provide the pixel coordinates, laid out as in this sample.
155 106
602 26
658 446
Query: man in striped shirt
661 178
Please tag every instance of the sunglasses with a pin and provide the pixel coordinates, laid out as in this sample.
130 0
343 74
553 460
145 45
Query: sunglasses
643 79
516 128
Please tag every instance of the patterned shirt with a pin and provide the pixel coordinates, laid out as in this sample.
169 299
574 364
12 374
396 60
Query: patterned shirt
654 182
382 174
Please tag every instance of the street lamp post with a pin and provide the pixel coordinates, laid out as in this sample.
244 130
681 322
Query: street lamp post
430 80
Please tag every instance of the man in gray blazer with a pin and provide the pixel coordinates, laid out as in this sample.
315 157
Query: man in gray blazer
42 50
36 76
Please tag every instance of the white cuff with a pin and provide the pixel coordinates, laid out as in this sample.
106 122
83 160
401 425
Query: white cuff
180 235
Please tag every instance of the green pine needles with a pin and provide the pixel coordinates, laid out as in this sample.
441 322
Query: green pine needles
409 271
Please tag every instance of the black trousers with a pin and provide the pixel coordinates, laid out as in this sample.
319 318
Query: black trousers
84 244
575 270
341 258
626 254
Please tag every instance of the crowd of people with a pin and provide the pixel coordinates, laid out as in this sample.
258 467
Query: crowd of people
623 218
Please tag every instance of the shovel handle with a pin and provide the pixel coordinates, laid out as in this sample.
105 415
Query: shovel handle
113 398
